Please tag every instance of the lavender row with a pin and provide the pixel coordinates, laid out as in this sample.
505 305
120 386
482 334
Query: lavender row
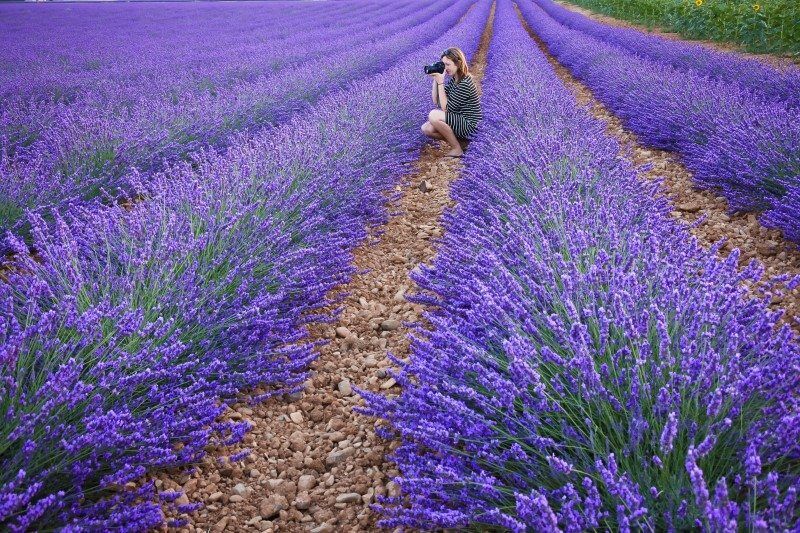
755 77
108 47
589 366
119 343
34 133
53 139
81 154
747 149
198 61
141 72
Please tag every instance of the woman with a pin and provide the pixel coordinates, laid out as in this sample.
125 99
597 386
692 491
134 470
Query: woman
459 102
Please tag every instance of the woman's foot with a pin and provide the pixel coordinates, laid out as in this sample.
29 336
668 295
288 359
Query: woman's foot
455 153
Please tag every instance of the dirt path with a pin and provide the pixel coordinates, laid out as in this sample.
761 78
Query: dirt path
315 464
742 231
776 61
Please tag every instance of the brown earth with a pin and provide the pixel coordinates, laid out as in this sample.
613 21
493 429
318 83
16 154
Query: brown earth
780 62
742 231
316 465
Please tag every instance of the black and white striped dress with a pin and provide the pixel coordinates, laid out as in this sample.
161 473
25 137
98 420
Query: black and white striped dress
463 107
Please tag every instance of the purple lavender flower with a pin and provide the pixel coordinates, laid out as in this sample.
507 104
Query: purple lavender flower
126 336
576 323
743 139
761 80
124 122
669 433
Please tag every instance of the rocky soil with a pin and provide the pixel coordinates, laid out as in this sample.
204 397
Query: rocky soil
316 465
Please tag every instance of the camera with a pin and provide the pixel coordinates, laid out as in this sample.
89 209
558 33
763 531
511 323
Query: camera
437 67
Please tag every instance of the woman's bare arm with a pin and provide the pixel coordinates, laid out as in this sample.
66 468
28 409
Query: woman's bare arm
439 97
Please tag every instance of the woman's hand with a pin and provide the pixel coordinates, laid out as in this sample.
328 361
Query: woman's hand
439 77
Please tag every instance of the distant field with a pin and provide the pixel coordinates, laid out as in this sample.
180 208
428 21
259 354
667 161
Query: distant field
758 26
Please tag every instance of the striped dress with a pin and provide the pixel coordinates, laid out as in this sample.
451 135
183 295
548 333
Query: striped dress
463 107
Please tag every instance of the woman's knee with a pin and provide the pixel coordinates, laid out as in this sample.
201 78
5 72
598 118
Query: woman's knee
436 114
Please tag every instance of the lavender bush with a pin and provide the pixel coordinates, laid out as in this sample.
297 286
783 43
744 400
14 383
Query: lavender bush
785 212
124 339
72 152
755 77
748 149
589 365
154 48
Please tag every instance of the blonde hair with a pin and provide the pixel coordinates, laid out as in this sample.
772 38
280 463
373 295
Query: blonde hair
459 59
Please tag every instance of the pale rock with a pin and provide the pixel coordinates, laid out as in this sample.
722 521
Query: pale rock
337 457
337 436
400 295
390 325
240 489
190 486
306 482
368 497
349 497
345 388
288 489
297 442
350 341
303 501
222 524
269 507
688 207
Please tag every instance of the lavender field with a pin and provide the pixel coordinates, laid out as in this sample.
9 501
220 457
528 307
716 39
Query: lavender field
209 322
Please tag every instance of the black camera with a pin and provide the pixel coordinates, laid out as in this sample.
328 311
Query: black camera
437 67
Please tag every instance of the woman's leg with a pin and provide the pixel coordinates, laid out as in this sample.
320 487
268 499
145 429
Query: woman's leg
428 128
437 120
431 132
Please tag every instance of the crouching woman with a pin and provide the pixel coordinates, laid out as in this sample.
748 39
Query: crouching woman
459 110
